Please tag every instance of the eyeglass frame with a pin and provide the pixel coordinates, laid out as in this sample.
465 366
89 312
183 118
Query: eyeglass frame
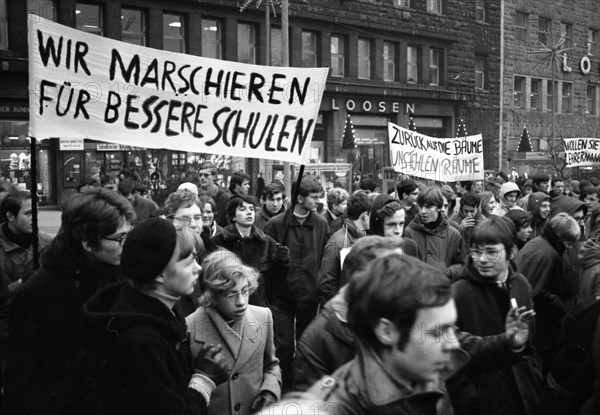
232 296
120 240
480 252
186 220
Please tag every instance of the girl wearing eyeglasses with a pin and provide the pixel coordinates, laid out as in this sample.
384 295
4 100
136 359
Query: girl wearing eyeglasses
245 331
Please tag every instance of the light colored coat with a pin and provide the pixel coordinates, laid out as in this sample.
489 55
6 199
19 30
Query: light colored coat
248 349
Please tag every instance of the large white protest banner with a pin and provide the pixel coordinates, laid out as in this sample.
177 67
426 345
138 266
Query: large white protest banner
441 159
582 151
87 86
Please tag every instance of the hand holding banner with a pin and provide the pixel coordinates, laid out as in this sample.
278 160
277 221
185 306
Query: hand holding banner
440 159
86 86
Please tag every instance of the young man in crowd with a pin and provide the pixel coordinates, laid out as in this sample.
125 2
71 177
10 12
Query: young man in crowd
541 183
273 197
337 201
557 185
592 223
354 228
43 372
16 240
296 299
239 184
468 216
439 243
207 175
509 193
407 192
539 209
143 207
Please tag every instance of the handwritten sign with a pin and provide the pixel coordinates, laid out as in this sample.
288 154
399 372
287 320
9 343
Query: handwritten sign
582 151
441 159
86 86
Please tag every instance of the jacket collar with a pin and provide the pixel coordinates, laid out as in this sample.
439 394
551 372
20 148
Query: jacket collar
230 233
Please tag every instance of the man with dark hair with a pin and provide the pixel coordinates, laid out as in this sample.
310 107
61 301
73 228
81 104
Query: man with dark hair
44 373
273 197
439 243
468 216
463 187
539 209
16 237
355 226
239 184
483 292
144 208
368 185
253 247
541 183
592 225
296 299
407 192
557 185
207 175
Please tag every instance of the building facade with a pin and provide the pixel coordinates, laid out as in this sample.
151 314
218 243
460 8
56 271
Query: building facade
545 42
437 61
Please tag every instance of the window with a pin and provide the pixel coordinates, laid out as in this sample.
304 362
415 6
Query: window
3 25
591 100
42 8
434 6
389 61
402 3
337 56
544 29
567 97
412 66
550 94
519 92
364 58
536 94
521 27
309 49
133 26
173 33
276 57
211 38
436 58
89 18
566 31
480 10
592 41
246 43
480 72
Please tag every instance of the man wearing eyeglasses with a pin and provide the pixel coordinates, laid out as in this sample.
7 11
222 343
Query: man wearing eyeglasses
206 175
44 371
483 292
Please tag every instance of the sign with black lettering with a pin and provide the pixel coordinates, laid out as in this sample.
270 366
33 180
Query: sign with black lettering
87 86
441 159
582 151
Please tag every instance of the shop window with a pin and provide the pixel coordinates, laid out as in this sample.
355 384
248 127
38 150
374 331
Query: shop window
174 33
133 26
246 43
88 18
521 26
519 92
42 8
544 30
211 38
338 58
536 94
567 97
276 57
309 49
389 61
364 59
591 100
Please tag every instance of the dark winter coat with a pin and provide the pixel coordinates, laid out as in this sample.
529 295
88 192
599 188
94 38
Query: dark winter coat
331 269
537 223
140 353
305 242
466 233
589 258
263 216
482 306
592 406
221 197
258 251
440 246
46 350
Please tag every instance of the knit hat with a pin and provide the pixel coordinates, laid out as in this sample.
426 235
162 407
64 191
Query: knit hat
148 249
507 188
191 187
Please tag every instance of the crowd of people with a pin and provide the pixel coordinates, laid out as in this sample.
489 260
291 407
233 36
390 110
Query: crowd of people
434 298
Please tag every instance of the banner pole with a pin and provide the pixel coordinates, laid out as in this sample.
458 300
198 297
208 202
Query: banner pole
34 203
290 212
